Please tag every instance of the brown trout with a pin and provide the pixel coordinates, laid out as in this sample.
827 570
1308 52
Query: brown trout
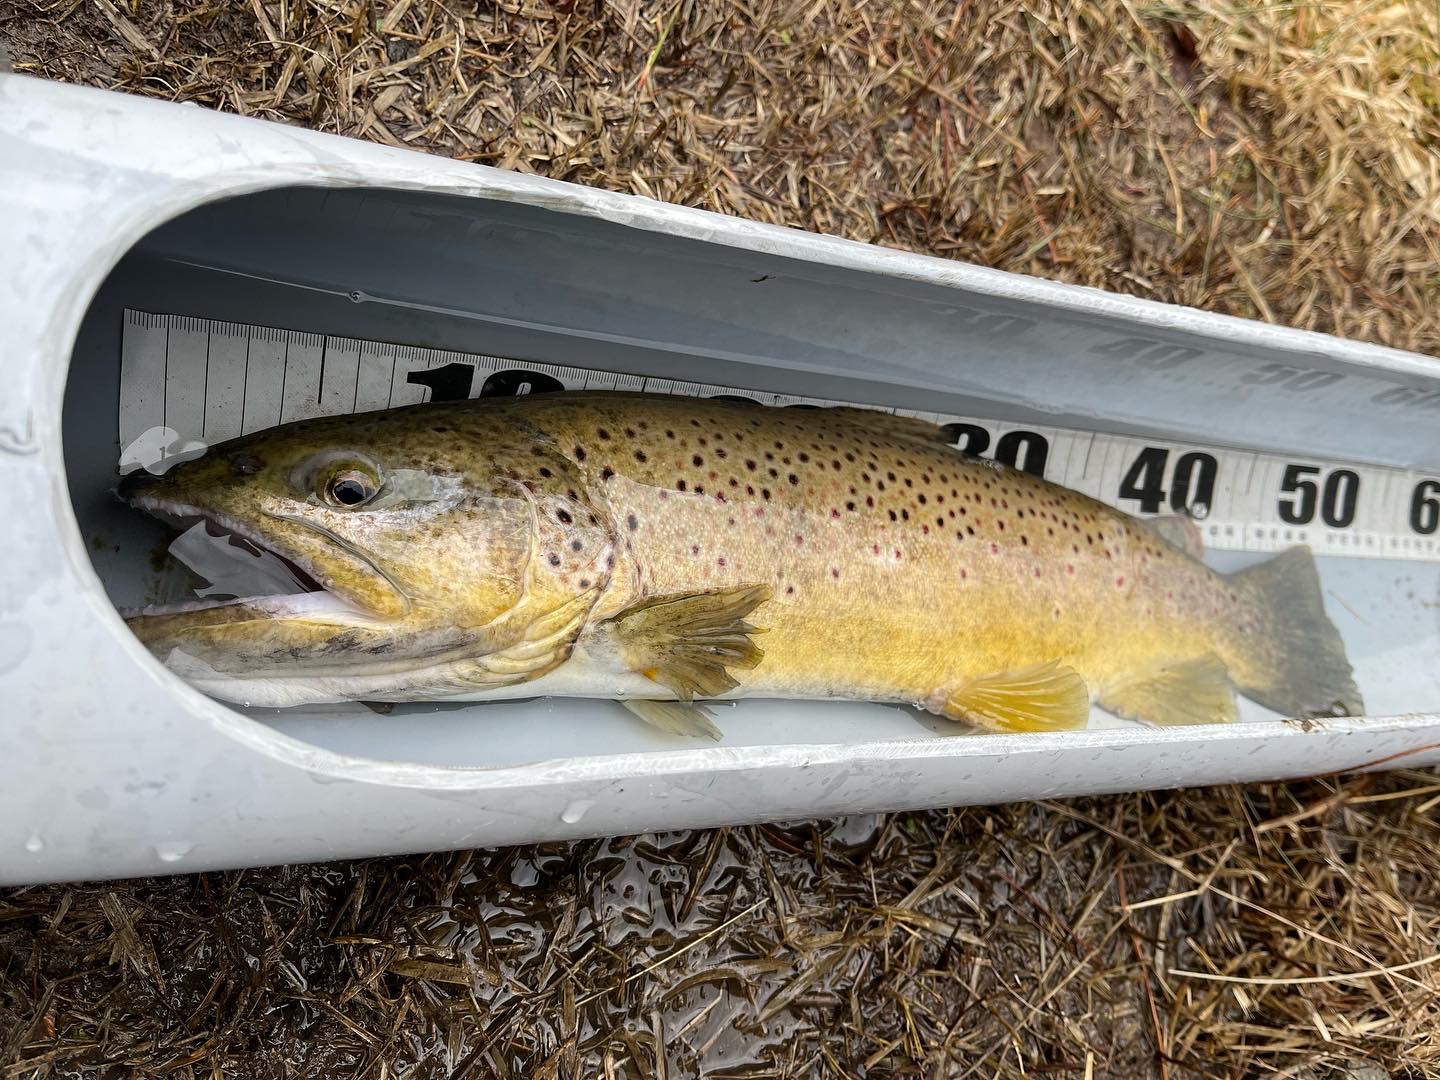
665 550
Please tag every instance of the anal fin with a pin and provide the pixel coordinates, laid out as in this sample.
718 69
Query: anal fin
1186 692
688 643
676 717
1042 697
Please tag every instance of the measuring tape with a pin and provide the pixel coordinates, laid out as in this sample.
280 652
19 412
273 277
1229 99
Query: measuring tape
200 382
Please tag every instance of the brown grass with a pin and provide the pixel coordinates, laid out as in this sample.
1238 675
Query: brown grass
1278 162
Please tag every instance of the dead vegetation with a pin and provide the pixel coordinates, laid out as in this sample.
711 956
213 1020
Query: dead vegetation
1276 930
1279 162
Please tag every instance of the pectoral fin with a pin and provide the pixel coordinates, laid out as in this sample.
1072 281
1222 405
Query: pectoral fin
1188 692
688 643
1043 697
676 717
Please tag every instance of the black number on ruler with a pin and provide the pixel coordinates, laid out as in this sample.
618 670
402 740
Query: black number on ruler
1425 507
515 382
1025 450
1192 484
1337 501
967 438
451 382
1290 378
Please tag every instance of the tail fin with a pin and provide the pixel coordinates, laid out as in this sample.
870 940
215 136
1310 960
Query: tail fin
1294 661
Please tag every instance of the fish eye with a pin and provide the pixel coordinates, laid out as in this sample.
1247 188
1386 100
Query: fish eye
350 488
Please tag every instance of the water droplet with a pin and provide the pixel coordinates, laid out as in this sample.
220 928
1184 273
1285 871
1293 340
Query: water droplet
35 843
173 850
576 810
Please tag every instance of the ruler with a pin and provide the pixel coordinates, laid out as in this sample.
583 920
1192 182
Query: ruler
200 382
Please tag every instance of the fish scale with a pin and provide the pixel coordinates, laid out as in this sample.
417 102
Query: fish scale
641 546
898 566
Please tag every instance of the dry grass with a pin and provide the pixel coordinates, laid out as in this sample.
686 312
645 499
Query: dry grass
1276 930
1279 162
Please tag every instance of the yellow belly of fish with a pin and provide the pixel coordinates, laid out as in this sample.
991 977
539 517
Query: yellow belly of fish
882 611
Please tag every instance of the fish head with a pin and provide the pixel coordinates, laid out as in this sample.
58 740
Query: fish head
419 536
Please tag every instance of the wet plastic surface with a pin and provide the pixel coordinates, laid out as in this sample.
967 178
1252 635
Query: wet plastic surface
114 768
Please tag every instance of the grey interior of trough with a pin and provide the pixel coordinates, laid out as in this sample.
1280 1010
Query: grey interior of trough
528 283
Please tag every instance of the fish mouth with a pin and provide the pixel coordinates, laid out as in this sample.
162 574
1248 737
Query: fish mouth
319 592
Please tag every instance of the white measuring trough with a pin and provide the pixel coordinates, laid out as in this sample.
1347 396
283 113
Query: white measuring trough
176 276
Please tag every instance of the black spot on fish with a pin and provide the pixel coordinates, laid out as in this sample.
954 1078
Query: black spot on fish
631 521
563 516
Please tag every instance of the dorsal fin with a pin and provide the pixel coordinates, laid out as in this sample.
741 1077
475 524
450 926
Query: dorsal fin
1179 531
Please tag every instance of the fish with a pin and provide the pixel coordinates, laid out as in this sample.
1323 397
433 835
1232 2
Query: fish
667 551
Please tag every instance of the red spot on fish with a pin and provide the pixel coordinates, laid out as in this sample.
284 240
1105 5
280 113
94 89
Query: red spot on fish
1119 582
994 549
835 572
